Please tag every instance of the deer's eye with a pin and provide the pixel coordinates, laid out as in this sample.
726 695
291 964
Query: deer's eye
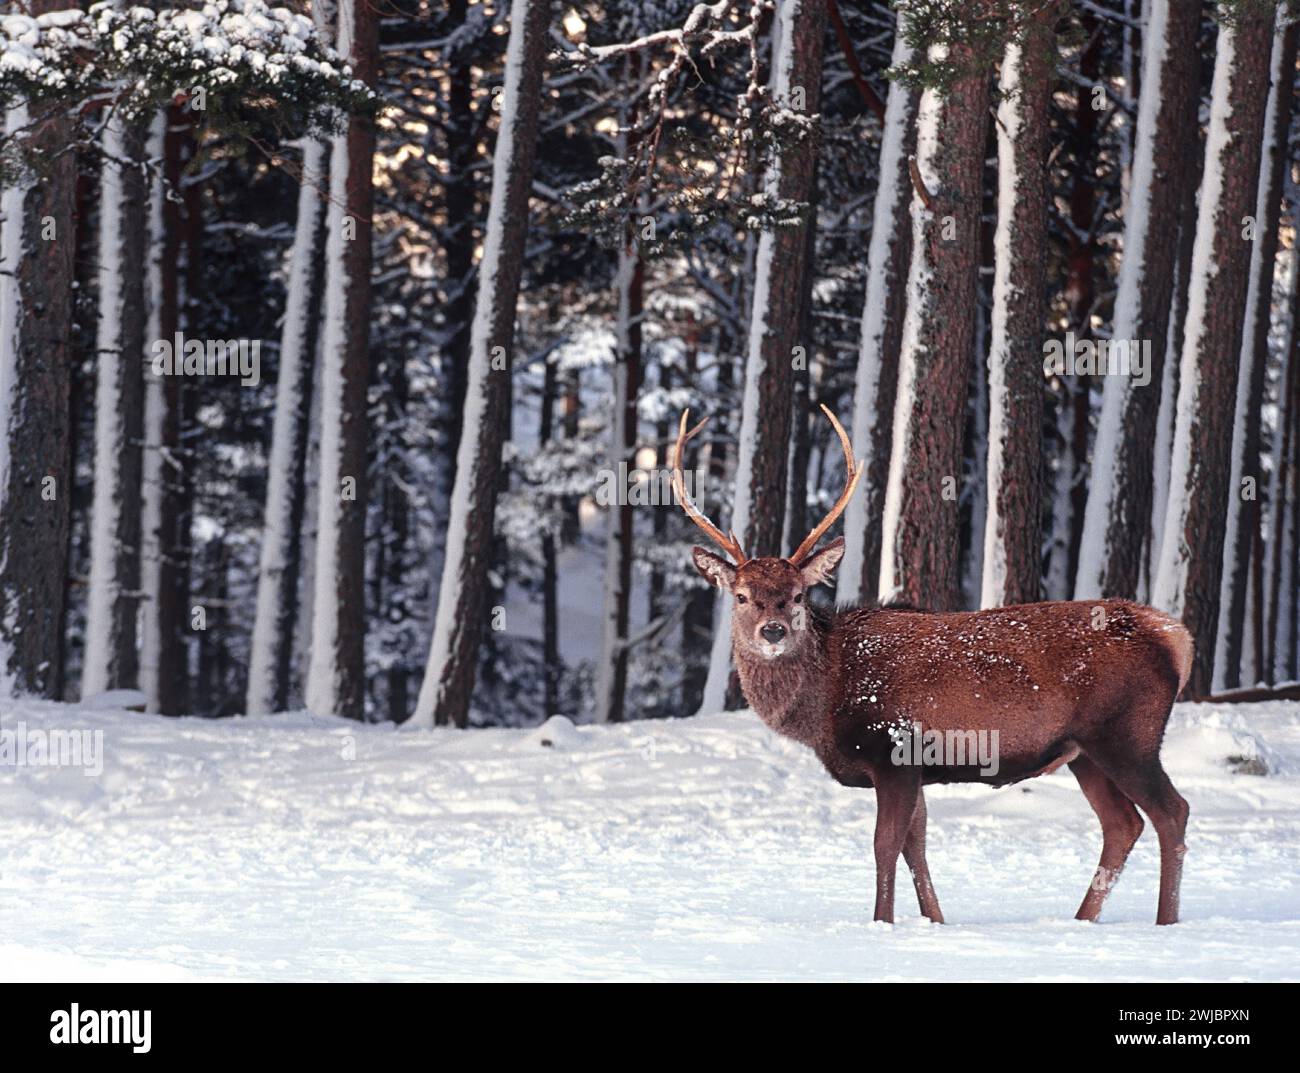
799 598
741 599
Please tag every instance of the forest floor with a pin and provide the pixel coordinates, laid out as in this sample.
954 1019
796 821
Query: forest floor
295 847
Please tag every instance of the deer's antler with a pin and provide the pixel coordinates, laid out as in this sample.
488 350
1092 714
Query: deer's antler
728 544
855 472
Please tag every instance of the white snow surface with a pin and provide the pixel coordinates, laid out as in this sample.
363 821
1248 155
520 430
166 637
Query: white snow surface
301 847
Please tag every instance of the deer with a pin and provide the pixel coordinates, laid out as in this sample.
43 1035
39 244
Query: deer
1089 684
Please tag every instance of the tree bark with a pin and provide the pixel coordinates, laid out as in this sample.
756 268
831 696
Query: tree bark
453 653
1191 557
113 591
919 548
1163 172
336 677
1242 522
611 674
163 611
758 511
271 658
1012 554
36 272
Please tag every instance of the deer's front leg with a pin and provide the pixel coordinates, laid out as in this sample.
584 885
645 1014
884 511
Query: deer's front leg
897 792
914 855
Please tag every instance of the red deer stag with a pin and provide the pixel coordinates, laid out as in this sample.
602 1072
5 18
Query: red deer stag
1086 683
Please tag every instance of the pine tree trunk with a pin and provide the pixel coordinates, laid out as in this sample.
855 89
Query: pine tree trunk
462 597
888 257
336 676
1279 582
271 657
551 666
112 599
459 240
758 511
1164 166
1191 557
1011 566
1242 521
919 548
36 272
611 671
163 610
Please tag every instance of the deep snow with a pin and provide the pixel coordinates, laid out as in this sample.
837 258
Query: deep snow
293 847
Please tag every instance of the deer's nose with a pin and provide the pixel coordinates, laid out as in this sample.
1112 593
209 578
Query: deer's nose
773 632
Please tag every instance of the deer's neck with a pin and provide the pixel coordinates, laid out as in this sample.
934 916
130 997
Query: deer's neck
791 693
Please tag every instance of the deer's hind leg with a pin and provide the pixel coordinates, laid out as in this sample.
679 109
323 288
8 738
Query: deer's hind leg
1120 827
1142 779
914 855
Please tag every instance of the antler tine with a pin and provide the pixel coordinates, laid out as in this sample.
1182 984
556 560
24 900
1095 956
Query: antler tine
728 544
855 473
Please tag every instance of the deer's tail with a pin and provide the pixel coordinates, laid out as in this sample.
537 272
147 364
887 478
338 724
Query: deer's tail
1177 641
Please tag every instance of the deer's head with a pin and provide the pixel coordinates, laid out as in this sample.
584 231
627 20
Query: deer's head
769 614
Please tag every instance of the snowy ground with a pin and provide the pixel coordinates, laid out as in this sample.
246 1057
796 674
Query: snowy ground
302 848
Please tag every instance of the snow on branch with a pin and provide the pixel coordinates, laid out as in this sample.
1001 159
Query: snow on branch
238 53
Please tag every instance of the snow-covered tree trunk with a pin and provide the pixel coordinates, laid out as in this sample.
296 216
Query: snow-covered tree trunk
1012 552
302 626
459 239
888 256
1065 467
36 265
112 598
462 605
1279 579
1119 499
1242 522
611 670
270 662
1191 556
1286 667
919 552
336 674
162 607
757 517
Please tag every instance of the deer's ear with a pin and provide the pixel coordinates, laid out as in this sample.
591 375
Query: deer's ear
822 563
714 568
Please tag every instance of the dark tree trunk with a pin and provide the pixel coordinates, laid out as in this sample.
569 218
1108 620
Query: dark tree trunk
113 594
36 496
774 321
550 575
1244 508
1187 581
888 259
796 506
459 237
163 621
1164 175
462 599
611 676
1012 551
919 556
337 678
